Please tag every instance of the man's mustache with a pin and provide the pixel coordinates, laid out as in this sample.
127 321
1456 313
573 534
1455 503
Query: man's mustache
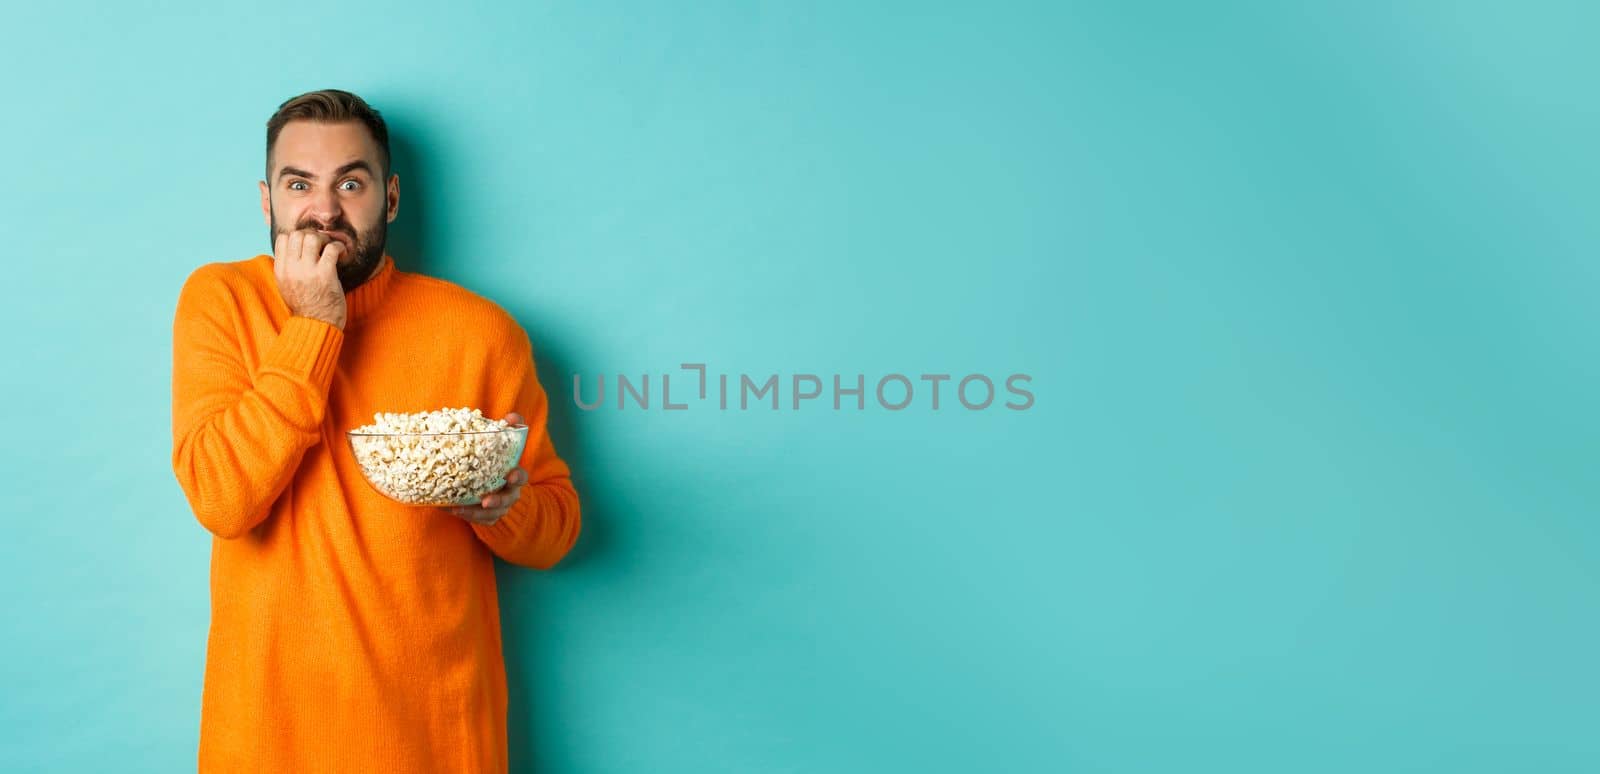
320 227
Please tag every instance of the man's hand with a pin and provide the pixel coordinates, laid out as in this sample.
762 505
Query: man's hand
306 263
495 504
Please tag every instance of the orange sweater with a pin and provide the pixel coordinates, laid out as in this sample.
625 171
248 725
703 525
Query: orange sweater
348 632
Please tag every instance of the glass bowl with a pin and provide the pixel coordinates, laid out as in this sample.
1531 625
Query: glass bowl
438 469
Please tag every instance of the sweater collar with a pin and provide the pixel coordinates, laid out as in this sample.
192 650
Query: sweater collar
365 299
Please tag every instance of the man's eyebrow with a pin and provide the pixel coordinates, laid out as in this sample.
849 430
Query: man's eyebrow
352 166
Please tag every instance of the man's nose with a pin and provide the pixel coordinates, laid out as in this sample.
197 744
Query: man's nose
325 207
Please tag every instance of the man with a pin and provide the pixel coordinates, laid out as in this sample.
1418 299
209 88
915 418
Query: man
348 633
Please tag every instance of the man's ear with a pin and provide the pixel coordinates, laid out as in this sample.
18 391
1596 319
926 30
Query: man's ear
266 203
393 197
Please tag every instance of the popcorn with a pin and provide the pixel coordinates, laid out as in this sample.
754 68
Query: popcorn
451 456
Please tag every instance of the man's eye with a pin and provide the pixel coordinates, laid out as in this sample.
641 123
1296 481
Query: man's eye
356 183
295 183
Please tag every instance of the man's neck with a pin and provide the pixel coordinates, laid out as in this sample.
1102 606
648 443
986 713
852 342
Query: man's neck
364 280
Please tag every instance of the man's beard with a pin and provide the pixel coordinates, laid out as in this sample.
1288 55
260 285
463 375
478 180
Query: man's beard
368 250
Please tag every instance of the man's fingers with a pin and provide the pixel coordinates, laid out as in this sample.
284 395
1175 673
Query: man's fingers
494 505
476 515
506 495
514 418
311 247
331 253
503 498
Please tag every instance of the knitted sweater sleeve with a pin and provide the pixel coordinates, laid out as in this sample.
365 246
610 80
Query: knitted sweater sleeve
237 436
543 524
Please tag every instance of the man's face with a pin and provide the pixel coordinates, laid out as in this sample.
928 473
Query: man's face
326 177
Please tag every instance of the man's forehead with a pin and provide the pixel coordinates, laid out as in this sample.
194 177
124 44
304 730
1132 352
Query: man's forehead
317 147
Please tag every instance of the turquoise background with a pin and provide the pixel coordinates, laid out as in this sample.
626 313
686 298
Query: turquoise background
1307 292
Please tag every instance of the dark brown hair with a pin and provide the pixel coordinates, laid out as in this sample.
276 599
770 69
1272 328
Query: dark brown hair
329 106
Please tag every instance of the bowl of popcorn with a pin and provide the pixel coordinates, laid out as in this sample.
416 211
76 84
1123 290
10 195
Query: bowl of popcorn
446 457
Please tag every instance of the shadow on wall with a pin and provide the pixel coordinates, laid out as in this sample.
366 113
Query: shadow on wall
408 234
416 243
